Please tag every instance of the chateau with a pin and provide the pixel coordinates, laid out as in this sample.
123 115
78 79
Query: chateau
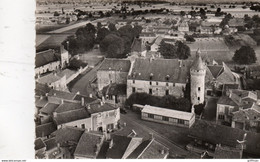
159 77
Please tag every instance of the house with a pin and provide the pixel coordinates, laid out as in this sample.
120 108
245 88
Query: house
53 150
112 71
150 149
49 60
40 148
170 78
207 133
236 22
155 45
147 37
253 72
47 111
89 145
167 116
234 101
205 29
44 131
247 119
183 26
115 93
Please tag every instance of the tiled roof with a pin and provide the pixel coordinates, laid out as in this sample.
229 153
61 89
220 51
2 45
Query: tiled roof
246 115
88 145
198 63
96 108
50 143
86 98
220 134
115 89
225 152
225 100
144 68
45 129
167 112
153 151
68 134
120 144
39 144
49 78
49 108
45 57
68 106
41 89
115 65
215 70
62 94
103 150
139 149
41 102
71 116
66 72
137 46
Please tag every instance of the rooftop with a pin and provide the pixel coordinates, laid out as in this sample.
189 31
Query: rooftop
68 134
68 106
71 116
115 89
198 63
49 108
87 99
144 68
50 143
45 57
167 112
88 145
41 102
97 107
39 144
45 129
121 65
225 100
62 94
225 152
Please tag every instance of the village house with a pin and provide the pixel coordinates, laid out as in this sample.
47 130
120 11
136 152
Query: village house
235 101
112 71
89 145
147 37
168 116
208 135
49 60
183 27
115 94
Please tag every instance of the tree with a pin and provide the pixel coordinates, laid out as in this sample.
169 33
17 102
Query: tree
167 50
101 34
202 13
112 41
56 14
182 13
112 27
245 55
199 108
189 38
183 51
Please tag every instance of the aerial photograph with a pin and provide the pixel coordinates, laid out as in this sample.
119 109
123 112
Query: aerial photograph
149 79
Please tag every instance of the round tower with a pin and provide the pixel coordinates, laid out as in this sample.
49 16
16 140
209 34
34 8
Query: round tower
197 80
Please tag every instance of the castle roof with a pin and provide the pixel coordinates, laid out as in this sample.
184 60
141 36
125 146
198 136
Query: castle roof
198 63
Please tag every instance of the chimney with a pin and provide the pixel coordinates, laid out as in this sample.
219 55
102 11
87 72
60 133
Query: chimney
90 95
54 114
180 63
103 99
151 135
82 101
88 107
78 93
101 103
46 94
62 101
162 151
111 143
41 97
54 94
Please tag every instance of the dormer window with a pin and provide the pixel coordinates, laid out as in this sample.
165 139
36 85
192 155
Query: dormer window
167 77
151 76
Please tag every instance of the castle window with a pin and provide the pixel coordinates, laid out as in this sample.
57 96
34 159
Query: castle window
150 91
83 126
150 83
198 88
167 77
133 89
198 98
167 92
156 83
151 76
134 81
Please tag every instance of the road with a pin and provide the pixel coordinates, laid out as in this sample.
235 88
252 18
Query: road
83 84
140 128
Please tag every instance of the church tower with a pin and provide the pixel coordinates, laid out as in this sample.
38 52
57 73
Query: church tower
197 80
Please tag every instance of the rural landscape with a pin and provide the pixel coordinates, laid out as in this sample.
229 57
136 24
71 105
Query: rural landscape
147 79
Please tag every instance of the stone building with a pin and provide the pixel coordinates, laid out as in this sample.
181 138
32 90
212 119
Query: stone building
197 80
170 79
112 71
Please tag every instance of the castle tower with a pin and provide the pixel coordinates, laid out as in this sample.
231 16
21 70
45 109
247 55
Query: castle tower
197 80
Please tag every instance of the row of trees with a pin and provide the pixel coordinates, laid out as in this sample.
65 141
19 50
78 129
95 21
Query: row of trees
113 43
170 51
167 101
